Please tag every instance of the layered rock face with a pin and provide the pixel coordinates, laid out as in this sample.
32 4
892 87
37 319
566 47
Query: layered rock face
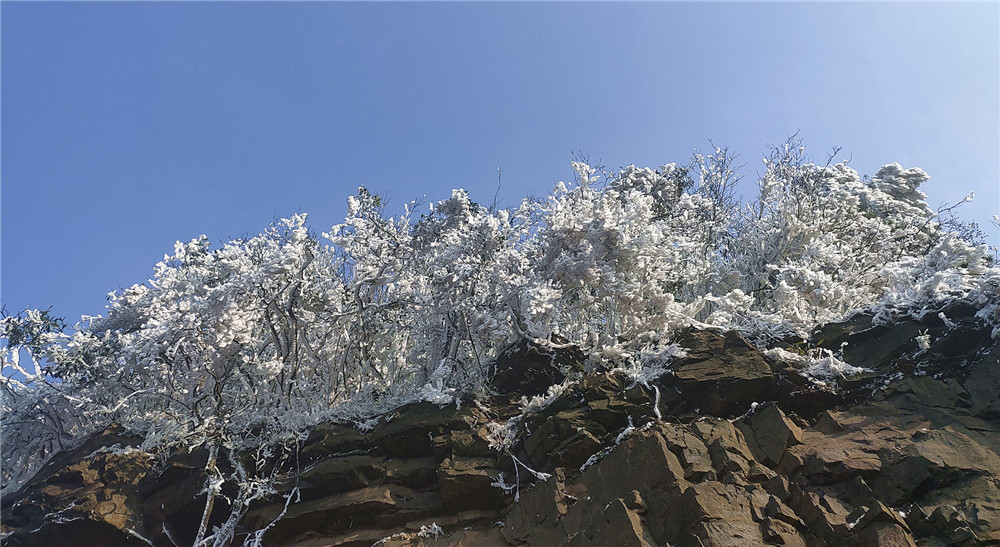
730 447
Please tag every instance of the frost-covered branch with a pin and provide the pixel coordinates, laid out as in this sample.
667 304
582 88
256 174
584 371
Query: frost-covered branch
250 344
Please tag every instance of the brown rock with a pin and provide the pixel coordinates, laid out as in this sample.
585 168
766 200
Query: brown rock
362 470
719 514
622 526
92 489
983 384
640 462
566 439
467 483
926 441
376 507
768 433
529 369
776 532
722 374
884 534
535 519
730 454
690 450
825 516
471 443
880 513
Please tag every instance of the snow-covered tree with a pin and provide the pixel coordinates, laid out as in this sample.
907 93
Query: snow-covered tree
247 346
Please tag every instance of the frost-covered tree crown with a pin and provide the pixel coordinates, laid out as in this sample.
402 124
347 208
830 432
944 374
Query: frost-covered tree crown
249 344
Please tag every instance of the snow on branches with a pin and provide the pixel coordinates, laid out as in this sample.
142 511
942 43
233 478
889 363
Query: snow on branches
251 343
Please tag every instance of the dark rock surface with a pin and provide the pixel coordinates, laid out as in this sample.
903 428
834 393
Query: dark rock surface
529 369
906 455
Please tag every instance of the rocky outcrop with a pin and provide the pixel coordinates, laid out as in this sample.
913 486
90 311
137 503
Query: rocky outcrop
741 449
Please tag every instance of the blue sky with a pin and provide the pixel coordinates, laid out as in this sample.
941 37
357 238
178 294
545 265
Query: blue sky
127 126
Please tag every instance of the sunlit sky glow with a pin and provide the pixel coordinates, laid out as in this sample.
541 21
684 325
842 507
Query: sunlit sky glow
127 126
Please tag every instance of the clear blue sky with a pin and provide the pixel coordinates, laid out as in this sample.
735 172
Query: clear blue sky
127 126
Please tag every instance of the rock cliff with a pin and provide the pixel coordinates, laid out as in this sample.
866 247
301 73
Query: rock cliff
732 446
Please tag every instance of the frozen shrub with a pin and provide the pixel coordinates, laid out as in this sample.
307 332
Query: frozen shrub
250 344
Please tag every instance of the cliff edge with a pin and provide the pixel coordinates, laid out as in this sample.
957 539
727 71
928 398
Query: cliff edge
732 445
